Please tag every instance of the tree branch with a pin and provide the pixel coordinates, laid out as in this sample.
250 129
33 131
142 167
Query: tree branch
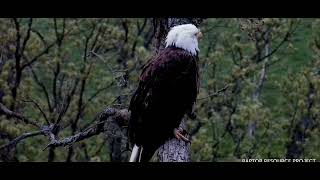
40 36
216 93
40 109
15 141
6 111
69 98
39 55
97 93
44 89
26 39
121 117
75 138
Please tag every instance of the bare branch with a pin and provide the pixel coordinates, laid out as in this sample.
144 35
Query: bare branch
139 32
18 69
45 51
40 109
69 98
103 60
6 111
124 24
216 93
40 36
17 27
54 82
15 141
97 93
75 138
285 39
120 115
98 34
61 83
26 39
45 91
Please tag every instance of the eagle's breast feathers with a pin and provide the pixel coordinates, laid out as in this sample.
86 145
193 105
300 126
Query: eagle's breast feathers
167 89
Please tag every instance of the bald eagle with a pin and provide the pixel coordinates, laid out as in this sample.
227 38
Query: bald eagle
167 90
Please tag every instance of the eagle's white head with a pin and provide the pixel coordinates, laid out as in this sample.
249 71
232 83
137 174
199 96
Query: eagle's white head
184 36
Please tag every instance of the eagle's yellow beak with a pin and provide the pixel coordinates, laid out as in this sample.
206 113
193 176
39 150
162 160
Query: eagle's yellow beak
199 35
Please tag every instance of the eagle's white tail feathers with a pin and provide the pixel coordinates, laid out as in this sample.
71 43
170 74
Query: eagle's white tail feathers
141 149
136 154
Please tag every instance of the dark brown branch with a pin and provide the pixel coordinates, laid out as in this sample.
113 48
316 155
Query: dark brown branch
45 51
59 36
139 32
216 93
104 61
69 98
285 39
18 37
56 28
6 111
56 71
54 84
18 69
148 37
63 26
40 36
124 24
85 75
61 83
96 38
26 39
40 109
15 141
97 93
44 89
83 82
292 119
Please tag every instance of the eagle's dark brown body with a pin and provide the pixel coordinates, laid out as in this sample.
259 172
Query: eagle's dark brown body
167 90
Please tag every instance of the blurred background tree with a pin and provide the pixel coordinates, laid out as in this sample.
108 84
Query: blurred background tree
259 95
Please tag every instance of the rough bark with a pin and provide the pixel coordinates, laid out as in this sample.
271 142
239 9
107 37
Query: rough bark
116 136
175 150
112 122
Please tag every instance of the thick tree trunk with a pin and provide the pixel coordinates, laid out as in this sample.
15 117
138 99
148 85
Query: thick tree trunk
116 135
173 150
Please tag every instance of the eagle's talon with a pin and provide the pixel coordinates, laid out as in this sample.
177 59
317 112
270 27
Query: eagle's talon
178 134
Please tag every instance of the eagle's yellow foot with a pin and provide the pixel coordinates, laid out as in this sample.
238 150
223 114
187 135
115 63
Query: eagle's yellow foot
178 134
